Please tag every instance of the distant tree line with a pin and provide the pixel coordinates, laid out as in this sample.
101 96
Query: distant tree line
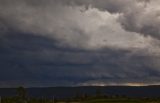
23 97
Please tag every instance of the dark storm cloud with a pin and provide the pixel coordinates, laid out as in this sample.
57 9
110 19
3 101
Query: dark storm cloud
40 62
56 42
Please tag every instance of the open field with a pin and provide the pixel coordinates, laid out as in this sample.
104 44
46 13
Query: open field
115 101
121 101
87 100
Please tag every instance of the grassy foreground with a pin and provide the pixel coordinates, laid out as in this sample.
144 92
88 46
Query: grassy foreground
85 100
121 101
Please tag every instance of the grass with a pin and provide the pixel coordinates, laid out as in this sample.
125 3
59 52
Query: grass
91 100
120 101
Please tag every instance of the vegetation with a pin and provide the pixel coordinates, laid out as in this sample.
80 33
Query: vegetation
87 100
22 97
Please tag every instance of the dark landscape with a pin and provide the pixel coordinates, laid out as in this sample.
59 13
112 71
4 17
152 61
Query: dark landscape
67 92
79 51
83 94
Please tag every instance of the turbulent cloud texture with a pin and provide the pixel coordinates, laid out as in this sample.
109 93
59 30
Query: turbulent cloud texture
79 42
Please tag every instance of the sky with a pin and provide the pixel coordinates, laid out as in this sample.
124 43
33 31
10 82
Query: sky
79 42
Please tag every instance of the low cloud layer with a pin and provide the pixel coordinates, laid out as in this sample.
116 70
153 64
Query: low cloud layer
79 42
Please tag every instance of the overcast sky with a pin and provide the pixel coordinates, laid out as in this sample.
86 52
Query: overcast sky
79 42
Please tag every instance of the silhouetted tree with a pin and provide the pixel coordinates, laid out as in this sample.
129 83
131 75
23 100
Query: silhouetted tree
21 94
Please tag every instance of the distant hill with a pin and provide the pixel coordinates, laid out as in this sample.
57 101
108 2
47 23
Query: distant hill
65 92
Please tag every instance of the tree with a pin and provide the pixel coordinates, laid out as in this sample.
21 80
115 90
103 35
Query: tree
21 94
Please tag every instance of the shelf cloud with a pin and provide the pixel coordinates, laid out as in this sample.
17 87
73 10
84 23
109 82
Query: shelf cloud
79 42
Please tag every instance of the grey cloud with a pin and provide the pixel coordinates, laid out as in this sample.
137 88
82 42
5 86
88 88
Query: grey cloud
43 43
135 17
65 22
139 16
42 18
143 20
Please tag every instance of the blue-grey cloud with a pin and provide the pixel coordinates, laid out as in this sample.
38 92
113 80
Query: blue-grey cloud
78 42
36 61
